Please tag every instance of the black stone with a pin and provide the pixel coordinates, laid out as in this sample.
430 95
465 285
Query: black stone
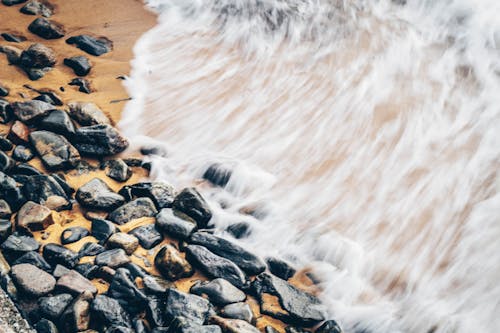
161 193
96 194
218 291
102 229
13 38
5 229
106 273
5 211
142 207
156 284
35 74
99 140
113 258
22 171
35 7
60 179
280 268
49 97
194 308
148 236
6 163
329 326
191 203
52 307
4 91
16 245
184 325
239 230
73 234
46 29
75 317
247 261
22 154
59 271
91 45
241 311
139 326
12 2
175 224
5 144
88 114
218 174
82 84
46 326
30 110
87 270
57 121
91 249
5 112
117 170
124 290
80 65
216 266
35 259
153 150
45 190
54 150
119 329
11 192
57 254
107 311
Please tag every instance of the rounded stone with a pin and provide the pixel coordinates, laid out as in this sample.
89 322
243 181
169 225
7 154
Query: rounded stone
32 280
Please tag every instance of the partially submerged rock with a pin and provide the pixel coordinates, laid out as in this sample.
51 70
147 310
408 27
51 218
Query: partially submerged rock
96 194
171 264
46 29
280 268
80 65
161 193
92 45
191 203
175 224
99 140
34 217
329 326
32 280
55 150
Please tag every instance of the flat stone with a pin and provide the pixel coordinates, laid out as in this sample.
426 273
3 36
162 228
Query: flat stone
113 258
87 270
138 208
91 249
59 271
161 193
80 65
46 29
52 307
106 311
15 38
124 290
99 140
88 114
22 154
5 229
191 203
171 264
329 326
54 150
28 111
34 217
12 2
34 7
233 325
156 284
17 245
46 191
194 308
218 291
35 259
50 97
83 85
124 241
75 283
96 194
147 235
241 311
32 280
102 229
73 234
57 254
19 133
91 45
175 224
117 170
57 121
76 317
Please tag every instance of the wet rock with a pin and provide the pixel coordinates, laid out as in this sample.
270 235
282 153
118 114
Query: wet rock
139 326
301 308
15 38
218 174
57 254
171 264
22 154
175 224
52 307
5 211
76 317
216 266
102 229
35 259
46 191
5 112
73 234
35 74
241 311
91 249
5 229
247 261
218 291
106 311
54 150
6 163
82 84
280 268
96 194
233 325
91 45
50 97
12 2
123 289
75 283
80 65
161 193
290 329
87 270
156 284
46 326
59 271
191 203
155 310
13 54
124 241
147 235
60 179
32 280
329 326
88 114
5 144
106 273
38 56
34 7
9 287
10 191
34 217
194 308
19 133
4 91
57 121
28 111
99 140
46 29
16 245
142 207
119 329
153 150
183 325
117 170
21 172
270 329
113 258
239 230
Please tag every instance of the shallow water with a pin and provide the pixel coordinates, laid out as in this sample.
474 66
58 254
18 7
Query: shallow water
366 133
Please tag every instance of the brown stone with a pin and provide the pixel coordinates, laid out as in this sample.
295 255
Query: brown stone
124 241
75 283
171 264
32 280
19 133
34 217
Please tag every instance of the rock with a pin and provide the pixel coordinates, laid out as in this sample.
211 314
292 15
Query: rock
80 65
218 291
54 150
156 284
38 56
57 121
171 264
6 163
22 154
17 245
291 329
233 325
124 290
35 259
73 234
124 241
91 249
82 84
52 307
239 230
270 329
32 280
139 326
241 311
45 326
91 45
218 174
113 258
96 194
87 270
99 140
329 326
46 191
300 307
155 310
10 191
153 150
4 91
106 311
57 254
247 261
119 329
13 54
60 179
161 193
117 170
138 208
102 229
35 74
34 7
106 273
280 268
76 317
19 133
13 37
191 203
216 266
88 114
175 224
5 229
46 29
194 308
12 2
5 144
147 235
5 112
5 212
59 271
28 111
34 217
183 325
50 97
75 284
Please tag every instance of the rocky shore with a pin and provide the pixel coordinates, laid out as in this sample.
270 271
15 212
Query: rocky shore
88 243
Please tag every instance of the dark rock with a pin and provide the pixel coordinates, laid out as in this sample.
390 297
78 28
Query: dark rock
119 329
10 191
139 326
13 54
239 230
216 266
38 56
9 287
73 234
57 121
5 112
280 268
175 224
161 193
75 283
19 133
34 7
5 229
300 307
87 270
57 254
76 317
60 179
22 154
52 307
13 38
34 217
291 329
96 194
218 174
153 150
102 229
155 310
50 97
54 150
156 284
247 261
59 271
88 114
91 45
147 235
106 273
171 264
45 326
30 110
184 325
270 329
32 280
21 172
99 140
46 28
4 91
5 211
329 326
82 84
91 249
133 162
194 308
233 325
121 240
218 291
241 311
12 2
106 311
5 144
191 203
17 245
35 259
142 207
6 163
113 258
80 65
123 289
46 190
35 74
117 170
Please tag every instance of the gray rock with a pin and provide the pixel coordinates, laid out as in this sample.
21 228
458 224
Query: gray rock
329 326
57 121
107 311
75 283
30 110
76 317
171 264
113 258
218 291
54 150
233 325
148 236
59 271
183 325
91 45
117 170
15 38
142 207
194 308
5 229
99 140
47 191
17 245
35 74
124 290
46 29
191 203
73 234
34 7
80 65
88 114
34 217
91 249
5 112
83 85
22 154
280 268
52 307
32 280
12 2
46 326
102 229
96 194
161 193
57 254
241 311
35 259
124 241
10 192
175 224
6 163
